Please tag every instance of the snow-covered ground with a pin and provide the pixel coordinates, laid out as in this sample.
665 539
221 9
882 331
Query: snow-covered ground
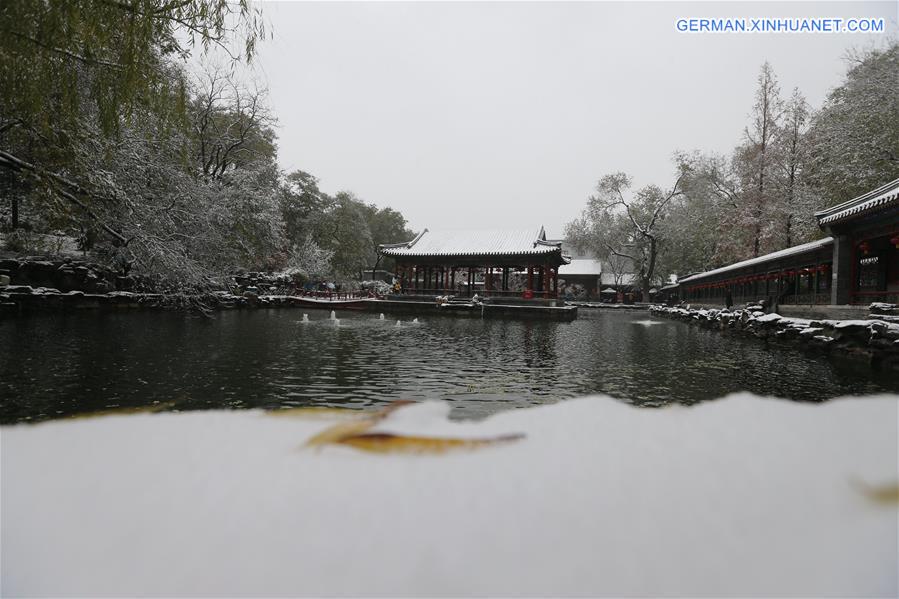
741 496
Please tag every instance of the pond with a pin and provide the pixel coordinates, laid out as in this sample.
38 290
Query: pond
57 365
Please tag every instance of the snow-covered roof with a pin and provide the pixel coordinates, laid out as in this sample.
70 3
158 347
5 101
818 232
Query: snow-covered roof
582 267
797 249
887 194
473 242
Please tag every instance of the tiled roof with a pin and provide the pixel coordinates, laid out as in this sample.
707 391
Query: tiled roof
888 194
581 266
797 249
473 243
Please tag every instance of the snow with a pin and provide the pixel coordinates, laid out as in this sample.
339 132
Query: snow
741 496
843 324
773 317
882 306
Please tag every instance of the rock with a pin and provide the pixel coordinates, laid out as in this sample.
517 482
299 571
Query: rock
124 283
811 332
9 265
68 279
19 289
883 308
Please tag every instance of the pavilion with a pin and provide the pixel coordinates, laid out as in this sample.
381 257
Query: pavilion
506 263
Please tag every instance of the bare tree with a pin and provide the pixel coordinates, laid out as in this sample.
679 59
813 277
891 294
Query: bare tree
622 225
232 123
754 160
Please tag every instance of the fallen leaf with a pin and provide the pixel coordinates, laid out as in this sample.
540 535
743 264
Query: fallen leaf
884 494
358 434
387 443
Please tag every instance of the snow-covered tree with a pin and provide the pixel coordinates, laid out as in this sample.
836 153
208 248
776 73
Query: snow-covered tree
793 201
854 138
626 225
754 163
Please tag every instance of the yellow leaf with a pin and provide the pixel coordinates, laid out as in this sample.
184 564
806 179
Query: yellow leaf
388 443
356 434
884 494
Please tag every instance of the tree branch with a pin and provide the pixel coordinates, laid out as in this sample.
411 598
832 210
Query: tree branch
11 162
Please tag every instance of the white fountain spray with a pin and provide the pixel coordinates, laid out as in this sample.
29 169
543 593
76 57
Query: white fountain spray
414 321
333 315
305 318
381 317
398 323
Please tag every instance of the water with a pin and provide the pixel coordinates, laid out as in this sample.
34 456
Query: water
56 365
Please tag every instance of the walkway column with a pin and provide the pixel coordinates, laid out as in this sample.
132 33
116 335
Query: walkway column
531 278
470 281
843 257
545 281
556 282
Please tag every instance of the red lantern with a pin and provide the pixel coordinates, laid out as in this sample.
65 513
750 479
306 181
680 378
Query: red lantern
864 247
895 242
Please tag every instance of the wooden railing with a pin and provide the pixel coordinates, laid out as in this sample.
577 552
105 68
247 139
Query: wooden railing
809 299
334 295
479 292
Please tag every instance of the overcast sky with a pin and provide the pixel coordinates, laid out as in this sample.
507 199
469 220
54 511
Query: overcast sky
480 115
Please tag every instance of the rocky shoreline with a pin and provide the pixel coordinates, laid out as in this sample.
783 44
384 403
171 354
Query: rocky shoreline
35 284
874 341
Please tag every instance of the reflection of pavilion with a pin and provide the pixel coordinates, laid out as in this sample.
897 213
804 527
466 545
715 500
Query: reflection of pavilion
492 263
857 264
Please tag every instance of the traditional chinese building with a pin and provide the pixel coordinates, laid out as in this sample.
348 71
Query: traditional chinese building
865 233
516 263
858 263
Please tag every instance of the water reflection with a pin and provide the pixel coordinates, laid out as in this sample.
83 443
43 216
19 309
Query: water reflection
54 365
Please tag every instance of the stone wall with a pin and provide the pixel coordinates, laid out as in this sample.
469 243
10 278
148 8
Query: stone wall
65 275
873 340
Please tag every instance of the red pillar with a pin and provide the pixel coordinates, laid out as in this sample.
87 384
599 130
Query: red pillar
546 281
